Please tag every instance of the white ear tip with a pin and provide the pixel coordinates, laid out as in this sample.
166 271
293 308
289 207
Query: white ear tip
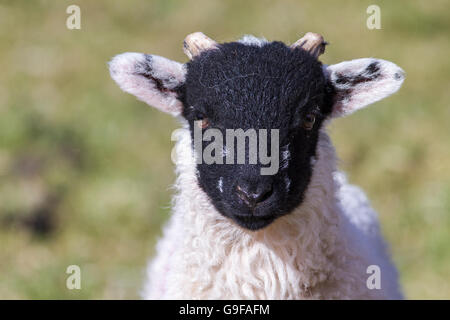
124 62
396 73
399 75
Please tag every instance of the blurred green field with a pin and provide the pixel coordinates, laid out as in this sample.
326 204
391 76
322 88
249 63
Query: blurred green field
85 170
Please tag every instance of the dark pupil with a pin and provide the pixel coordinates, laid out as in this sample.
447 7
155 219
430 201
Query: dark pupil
308 122
309 118
199 116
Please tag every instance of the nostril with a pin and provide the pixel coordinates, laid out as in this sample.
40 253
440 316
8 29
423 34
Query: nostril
252 198
243 194
263 194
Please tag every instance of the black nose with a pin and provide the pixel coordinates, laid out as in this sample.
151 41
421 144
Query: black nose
254 194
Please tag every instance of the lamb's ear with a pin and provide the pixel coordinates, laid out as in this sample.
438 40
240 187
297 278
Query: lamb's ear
358 83
152 79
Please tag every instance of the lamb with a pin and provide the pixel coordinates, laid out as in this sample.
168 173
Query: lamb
301 233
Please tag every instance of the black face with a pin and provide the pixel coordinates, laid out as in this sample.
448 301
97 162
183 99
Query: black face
252 87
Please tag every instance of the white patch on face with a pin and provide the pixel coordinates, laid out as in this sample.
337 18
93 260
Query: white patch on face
287 181
220 184
224 151
285 157
312 160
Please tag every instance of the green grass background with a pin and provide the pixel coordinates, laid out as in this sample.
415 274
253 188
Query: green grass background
85 170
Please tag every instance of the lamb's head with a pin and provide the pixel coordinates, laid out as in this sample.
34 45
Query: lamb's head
278 95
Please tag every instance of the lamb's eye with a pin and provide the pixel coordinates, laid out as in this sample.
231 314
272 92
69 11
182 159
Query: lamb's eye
200 120
308 121
202 123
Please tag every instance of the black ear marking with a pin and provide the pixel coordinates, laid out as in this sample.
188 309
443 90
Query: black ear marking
371 73
144 68
372 68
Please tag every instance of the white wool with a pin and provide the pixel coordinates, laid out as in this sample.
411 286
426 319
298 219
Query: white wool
319 251
251 40
220 184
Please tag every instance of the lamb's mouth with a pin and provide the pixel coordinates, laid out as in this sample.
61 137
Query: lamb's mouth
252 222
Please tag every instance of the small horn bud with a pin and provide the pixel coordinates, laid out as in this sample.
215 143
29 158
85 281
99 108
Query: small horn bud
196 43
311 42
